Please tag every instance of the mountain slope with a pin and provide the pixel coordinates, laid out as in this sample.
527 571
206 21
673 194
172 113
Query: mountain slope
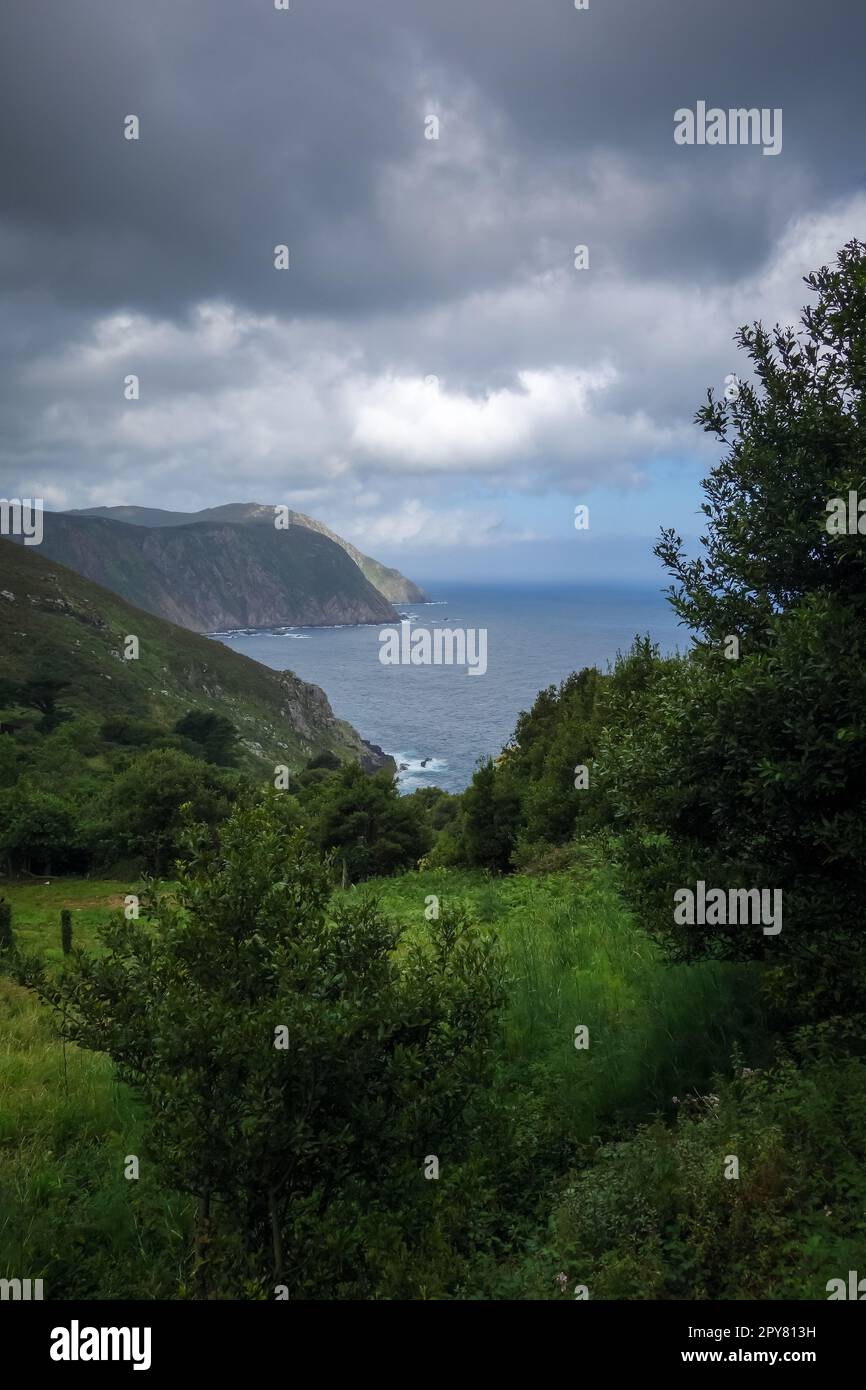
212 576
393 585
390 582
53 620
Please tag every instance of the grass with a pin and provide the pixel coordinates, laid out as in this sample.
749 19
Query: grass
37 903
67 1213
574 957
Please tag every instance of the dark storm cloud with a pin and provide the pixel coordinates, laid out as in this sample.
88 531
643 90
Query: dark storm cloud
408 257
260 127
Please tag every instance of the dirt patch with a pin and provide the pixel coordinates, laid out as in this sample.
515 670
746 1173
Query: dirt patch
113 900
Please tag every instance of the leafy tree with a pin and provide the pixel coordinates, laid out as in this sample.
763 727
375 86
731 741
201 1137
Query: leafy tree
41 692
130 732
37 830
548 749
10 691
439 808
368 825
141 812
491 808
215 735
752 772
796 437
8 761
329 761
296 1071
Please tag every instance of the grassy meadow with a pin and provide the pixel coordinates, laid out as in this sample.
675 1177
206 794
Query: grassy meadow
574 958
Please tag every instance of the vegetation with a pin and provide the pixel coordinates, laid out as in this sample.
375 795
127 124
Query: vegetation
442 1047
7 936
63 642
216 574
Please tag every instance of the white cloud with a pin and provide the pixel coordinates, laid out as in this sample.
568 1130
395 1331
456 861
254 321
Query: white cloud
430 528
558 380
408 422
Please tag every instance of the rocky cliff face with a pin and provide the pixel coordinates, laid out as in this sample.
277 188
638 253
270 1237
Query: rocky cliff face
390 582
393 585
214 576
308 710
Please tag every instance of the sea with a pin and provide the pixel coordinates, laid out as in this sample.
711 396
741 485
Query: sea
438 721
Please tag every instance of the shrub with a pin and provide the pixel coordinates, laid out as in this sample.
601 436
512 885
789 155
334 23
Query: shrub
296 1074
654 1216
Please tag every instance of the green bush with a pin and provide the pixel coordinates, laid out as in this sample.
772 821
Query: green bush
654 1217
296 1071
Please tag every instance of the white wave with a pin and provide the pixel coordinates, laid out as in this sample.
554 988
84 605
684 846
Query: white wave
412 765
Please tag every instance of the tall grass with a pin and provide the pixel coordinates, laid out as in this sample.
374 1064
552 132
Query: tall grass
67 1213
655 1031
573 956
37 903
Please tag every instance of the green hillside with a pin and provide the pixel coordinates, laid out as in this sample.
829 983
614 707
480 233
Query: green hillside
215 576
54 621
390 583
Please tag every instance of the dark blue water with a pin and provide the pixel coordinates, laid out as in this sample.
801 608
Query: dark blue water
441 714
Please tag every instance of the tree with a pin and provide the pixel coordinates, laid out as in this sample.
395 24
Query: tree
37 830
753 771
329 761
296 1070
131 732
796 438
491 806
8 761
42 691
215 735
365 821
66 930
142 815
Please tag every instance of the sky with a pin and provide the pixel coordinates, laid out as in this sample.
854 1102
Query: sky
432 375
